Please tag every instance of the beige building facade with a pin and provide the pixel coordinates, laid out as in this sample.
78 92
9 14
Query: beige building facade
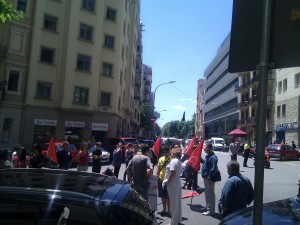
73 69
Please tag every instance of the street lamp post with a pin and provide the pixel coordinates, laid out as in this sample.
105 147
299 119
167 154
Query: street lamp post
170 82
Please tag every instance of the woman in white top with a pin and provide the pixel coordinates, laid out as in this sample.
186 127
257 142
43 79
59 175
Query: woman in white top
172 180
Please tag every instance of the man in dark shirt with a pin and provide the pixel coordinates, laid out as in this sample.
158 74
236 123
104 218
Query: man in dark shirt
97 154
237 192
64 156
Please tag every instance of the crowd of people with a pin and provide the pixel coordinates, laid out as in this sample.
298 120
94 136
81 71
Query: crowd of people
139 160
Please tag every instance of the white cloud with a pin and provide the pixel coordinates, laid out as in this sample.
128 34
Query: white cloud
178 107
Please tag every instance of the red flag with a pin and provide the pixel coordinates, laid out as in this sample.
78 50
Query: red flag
189 149
51 153
156 147
194 160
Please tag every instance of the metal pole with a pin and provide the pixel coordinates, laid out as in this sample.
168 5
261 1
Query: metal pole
262 112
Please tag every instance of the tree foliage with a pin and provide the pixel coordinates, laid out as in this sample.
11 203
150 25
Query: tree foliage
180 129
8 12
146 116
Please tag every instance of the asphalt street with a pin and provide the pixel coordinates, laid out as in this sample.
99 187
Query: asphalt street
280 181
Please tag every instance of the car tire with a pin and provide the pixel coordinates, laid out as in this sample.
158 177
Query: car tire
282 157
267 164
298 157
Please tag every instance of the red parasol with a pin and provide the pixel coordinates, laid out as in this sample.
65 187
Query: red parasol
237 133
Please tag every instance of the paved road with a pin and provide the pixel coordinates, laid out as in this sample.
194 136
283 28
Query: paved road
280 182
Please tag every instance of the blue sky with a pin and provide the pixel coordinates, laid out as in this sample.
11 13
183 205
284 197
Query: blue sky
181 38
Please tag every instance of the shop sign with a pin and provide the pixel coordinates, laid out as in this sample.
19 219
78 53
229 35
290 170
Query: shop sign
286 126
100 126
74 124
42 122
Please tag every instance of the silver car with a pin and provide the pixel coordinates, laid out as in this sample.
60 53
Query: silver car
105 155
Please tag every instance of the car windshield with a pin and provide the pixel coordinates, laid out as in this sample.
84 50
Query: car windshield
219 142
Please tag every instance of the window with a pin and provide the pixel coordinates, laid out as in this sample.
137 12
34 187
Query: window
22 5
111 14
47 55
297 80
107 69
50 23
83 62
284 85
13 80
86 32
6 131
278 111
43 90
105 99
81 95
109 41
283 110
18 39
89 5
279 87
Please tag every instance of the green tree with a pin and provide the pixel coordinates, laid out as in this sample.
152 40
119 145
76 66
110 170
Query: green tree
146 116
8 12
180 129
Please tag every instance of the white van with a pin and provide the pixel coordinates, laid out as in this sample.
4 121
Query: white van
218 144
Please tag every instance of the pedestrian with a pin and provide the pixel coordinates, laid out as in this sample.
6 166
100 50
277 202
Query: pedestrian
246 153
64 156
37 159
139 169
83 158
233 150
117 158
163 161
237 192
21 159
209 168
4 162
129 153
173 183
97 154
294 145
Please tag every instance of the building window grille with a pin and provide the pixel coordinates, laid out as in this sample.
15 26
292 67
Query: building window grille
111 14
47 55
109 41
81 95
44 90
105 99
89 5
107 69
83 62
50 23
86 32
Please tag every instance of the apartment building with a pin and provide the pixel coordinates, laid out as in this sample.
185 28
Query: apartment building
72 69
287 106
199 129
248 102
220 99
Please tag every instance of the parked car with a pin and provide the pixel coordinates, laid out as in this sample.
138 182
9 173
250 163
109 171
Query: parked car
282 152
109 144
45 196
58 146
105 154
283 212
218 144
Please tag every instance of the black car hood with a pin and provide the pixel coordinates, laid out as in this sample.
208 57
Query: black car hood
282 212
